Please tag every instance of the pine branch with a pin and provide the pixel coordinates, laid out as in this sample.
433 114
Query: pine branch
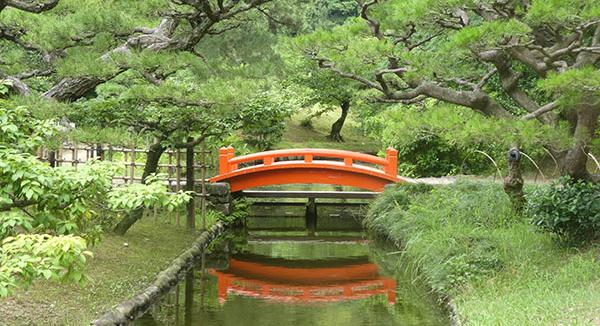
35 6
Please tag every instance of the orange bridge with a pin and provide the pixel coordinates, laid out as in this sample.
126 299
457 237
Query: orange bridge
280 283
307 165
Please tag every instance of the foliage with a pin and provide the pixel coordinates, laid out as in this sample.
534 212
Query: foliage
263 118
327 13
568 208
428 155
489 57
442 139
153 193
25 257
48 216
5 86
573 86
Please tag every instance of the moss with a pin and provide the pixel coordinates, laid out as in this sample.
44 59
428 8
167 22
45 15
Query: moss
116 272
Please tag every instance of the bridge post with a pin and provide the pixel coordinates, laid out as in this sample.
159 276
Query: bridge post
310 216
230 155
223 160
391 155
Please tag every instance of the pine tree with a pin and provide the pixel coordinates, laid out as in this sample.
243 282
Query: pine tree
408 51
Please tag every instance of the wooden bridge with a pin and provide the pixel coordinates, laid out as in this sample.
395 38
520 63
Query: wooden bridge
307 165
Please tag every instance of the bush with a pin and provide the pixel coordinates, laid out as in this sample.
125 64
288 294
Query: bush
438 139
429 155
568 208
263 117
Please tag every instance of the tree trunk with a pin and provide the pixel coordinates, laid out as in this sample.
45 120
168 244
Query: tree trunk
575 164
189 185
513 183
336 128
151 167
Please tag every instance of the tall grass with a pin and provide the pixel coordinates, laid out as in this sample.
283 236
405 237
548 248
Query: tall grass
465 242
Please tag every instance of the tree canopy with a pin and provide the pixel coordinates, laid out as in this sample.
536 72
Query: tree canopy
452 51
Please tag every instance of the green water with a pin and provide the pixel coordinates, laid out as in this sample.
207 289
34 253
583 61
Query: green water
299 280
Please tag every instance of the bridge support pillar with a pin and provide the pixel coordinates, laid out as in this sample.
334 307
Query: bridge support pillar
219 196
311 216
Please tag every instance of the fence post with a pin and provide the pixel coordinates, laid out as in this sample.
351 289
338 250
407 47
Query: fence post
203 185
133 165
170 167
178 180
125 163
391 168
74 160
189 184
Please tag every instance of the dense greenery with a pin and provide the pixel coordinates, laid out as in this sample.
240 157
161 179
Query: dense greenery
568 208
465 241
510 60
445 139
447 229
50 215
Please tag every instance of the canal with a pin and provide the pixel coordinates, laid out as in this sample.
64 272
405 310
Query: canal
275 273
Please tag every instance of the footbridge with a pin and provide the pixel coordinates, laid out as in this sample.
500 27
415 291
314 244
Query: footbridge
307 166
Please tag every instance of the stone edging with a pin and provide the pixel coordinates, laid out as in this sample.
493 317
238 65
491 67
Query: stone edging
127 311
454 318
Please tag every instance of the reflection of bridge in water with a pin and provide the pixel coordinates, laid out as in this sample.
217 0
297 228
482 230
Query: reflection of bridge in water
303 281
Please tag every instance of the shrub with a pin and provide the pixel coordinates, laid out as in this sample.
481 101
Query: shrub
429 155
437 139
262 119
568 208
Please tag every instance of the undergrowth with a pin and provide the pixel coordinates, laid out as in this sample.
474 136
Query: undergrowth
466 243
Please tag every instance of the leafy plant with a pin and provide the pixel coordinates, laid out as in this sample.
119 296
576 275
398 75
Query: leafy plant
48 216
568 208
263 118
27 256
154 193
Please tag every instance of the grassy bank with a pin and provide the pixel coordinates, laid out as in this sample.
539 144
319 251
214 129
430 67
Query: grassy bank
116 272
315 136
499 270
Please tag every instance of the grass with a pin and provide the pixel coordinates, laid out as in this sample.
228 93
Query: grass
499 270
116 272
298 136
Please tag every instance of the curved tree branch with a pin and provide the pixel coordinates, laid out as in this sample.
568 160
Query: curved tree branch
30 6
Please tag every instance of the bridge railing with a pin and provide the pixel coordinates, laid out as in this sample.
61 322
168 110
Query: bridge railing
228 162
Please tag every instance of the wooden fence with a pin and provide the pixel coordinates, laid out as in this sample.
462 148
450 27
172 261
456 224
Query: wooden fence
131 162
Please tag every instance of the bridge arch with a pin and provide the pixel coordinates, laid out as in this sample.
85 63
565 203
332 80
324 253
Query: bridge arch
307 165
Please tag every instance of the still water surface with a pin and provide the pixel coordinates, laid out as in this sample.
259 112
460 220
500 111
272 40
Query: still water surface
297 280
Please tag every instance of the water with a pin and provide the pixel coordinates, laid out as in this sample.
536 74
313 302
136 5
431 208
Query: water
273 278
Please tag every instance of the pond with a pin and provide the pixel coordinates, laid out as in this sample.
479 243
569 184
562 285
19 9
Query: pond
265 277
